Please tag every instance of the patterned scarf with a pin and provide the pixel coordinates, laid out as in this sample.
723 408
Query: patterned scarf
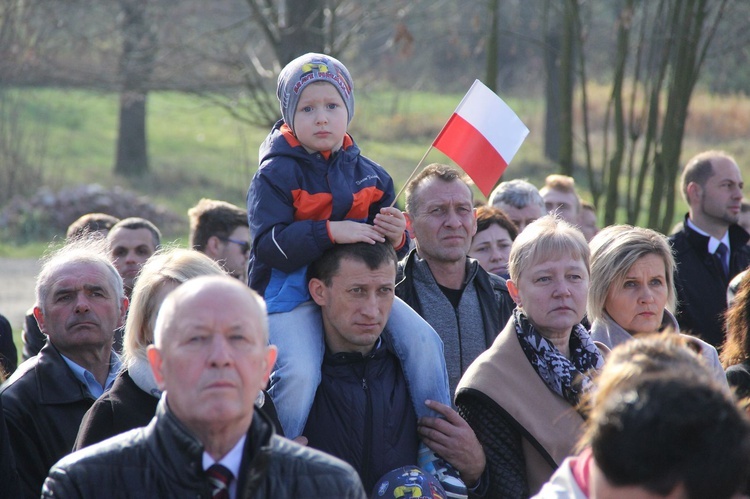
569 378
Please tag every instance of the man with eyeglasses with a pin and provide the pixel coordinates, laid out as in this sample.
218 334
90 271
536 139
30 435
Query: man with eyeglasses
220 230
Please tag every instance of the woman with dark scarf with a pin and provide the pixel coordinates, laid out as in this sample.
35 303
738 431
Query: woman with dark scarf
520 396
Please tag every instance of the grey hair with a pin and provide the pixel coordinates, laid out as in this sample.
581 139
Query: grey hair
614 250
86 250
543 239
517 193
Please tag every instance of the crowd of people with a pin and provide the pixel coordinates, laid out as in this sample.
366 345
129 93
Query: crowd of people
323 343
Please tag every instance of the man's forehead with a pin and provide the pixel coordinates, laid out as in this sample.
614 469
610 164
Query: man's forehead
353 271
725 169
80 274
437 191
131 238
556 196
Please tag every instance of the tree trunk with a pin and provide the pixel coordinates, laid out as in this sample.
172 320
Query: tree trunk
492 52
136 65
132 150
615 162
552 123
567 85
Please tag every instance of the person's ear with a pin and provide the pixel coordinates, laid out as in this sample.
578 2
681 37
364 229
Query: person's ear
513 290
213 247
693 191
123 310
317 288
409 227
155 359
39 316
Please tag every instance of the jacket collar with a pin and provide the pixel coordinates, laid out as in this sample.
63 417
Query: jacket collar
607 331
184 451
407 265
737 237
56 383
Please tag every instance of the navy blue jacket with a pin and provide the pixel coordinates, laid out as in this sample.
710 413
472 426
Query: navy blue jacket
363 414
292 197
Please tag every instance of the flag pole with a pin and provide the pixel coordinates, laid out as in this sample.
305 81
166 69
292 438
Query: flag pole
416 168
411 175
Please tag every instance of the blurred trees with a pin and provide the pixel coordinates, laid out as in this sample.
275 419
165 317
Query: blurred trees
660 50
649 54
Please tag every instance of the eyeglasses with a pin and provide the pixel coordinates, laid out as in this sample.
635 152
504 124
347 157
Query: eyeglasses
244 245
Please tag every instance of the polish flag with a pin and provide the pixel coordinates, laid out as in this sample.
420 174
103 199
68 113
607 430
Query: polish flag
482 136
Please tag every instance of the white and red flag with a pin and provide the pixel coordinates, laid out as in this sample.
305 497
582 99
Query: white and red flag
482 136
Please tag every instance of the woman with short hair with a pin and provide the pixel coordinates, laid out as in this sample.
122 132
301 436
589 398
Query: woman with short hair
520 396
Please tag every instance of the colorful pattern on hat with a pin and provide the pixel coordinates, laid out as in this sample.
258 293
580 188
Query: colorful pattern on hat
307 69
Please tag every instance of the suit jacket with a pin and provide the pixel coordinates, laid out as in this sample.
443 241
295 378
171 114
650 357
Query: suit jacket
701 284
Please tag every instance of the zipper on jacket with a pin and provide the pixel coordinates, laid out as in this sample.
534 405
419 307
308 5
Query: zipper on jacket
367 447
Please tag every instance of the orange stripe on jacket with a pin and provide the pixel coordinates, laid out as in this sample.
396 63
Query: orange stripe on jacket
312 206
363 199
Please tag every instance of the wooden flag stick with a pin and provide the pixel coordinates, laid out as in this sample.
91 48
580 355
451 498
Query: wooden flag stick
416 169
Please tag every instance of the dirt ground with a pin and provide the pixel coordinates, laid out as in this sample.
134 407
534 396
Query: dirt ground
17 278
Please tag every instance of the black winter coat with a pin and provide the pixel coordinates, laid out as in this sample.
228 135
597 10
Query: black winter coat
164 460
701 284
43 404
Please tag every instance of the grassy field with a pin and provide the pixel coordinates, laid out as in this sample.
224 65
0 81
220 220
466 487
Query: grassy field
197 150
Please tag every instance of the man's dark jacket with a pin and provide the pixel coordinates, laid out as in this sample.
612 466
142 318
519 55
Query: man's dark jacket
496 303
701 284
43 404
363 414
164 460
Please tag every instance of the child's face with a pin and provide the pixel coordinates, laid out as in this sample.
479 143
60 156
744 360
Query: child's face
321 118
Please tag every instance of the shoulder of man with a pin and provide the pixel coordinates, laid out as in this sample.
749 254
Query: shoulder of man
327 473
108 464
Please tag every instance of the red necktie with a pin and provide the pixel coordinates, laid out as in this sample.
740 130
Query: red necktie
219 476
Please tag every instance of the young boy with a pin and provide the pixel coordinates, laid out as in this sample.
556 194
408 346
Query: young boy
314 189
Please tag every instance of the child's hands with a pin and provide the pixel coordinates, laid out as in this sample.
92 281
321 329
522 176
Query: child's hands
347 231
390 222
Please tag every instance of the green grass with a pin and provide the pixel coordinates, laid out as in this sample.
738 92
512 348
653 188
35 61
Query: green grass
197 150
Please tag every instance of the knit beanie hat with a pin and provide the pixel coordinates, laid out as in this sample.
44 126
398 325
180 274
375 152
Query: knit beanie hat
307 69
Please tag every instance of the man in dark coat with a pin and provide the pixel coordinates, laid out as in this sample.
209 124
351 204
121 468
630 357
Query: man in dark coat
211 358
710 249
465 305
363 412
80 302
